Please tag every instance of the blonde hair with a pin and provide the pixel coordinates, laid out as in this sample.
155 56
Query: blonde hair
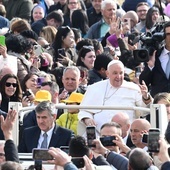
49 33
2 10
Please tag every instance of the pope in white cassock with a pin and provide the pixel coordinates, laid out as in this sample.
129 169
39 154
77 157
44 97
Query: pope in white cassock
114 91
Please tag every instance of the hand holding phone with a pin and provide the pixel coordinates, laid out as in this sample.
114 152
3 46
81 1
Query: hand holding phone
61 52
127 21
91 135
106 50
41 154
119 24
78 162
107 140
40 80
37 50
153 140
145 138
27 93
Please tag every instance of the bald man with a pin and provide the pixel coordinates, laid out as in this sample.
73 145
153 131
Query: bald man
123 120
6 70
136 130
113 91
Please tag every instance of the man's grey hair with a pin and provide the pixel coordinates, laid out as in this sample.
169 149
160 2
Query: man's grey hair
74 68
112 2
113 124
45 106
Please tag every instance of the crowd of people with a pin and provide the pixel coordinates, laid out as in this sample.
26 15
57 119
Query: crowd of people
88 53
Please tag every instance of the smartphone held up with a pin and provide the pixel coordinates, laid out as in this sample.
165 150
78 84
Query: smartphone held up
153 140
91 135
41 154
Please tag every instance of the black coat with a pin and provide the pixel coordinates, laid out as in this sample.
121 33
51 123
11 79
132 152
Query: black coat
11 152
156 78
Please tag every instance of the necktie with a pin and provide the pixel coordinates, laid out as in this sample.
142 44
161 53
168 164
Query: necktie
44 142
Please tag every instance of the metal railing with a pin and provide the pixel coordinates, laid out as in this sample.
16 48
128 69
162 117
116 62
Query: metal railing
155 110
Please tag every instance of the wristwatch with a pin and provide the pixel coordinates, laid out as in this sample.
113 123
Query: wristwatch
148 98
106 153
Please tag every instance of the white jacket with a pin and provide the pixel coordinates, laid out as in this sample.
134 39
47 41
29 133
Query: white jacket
104 94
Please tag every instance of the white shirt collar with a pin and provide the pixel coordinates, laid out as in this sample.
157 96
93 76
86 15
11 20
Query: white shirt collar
49 133
125 139
164 51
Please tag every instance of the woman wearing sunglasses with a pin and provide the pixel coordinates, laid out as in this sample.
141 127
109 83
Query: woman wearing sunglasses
10 91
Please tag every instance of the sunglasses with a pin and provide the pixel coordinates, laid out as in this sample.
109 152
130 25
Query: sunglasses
7 84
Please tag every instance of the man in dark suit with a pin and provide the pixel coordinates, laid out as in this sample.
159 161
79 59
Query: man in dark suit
56 136
123 120
154 73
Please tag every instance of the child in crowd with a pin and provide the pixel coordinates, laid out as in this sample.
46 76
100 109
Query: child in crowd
69 120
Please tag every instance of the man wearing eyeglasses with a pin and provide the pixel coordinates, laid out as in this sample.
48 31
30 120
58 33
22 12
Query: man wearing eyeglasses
141 10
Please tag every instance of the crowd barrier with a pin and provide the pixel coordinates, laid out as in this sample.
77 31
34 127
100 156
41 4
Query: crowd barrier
157 111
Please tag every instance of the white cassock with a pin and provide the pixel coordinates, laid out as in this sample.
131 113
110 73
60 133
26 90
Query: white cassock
104 94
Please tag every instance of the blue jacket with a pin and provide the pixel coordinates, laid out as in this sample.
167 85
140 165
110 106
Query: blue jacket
4 22
94 30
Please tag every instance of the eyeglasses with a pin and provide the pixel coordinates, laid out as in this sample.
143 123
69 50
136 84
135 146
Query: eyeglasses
7 84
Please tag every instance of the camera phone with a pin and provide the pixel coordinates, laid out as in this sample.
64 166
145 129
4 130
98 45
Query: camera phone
91 135
153 140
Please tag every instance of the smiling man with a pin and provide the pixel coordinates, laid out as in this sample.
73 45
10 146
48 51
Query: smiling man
100 28
46 132
114 91
71 80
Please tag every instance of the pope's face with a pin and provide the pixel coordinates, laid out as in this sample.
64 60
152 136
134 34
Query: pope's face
115 74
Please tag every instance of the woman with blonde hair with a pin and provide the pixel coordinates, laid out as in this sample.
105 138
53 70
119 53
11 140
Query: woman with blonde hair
49 33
